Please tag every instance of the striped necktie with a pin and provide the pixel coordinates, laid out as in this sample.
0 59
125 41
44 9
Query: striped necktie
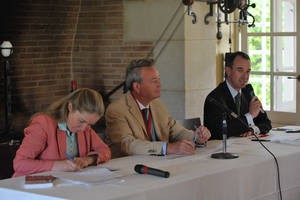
147 122
237 100
145 116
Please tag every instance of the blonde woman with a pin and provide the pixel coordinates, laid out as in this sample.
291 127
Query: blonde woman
61 139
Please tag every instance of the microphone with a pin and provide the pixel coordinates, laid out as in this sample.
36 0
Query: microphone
228 111
224 154
222 107
142 169
249 90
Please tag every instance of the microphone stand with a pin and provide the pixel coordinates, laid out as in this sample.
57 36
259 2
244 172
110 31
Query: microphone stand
224 154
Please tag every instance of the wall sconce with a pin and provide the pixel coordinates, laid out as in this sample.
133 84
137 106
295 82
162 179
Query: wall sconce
227 7
6 50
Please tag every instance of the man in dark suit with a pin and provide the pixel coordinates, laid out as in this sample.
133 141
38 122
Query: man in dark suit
235 94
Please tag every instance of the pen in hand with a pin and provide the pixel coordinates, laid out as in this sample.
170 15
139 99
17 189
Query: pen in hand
197 133
197 136
71 159
68 156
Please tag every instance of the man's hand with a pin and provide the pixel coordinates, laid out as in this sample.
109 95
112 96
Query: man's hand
246 134
255 107
202 134
181 147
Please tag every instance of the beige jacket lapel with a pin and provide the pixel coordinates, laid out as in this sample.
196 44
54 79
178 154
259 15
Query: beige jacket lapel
135 111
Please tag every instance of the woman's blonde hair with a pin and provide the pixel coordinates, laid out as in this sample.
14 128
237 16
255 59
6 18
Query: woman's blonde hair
83 100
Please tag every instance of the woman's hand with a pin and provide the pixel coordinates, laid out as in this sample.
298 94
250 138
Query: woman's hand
83 162
73 165
65 165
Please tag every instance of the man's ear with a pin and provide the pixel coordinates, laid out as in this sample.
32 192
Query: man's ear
136 87
228 71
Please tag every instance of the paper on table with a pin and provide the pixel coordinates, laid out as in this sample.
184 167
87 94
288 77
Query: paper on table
88 176
293 138
259 136
38 181
38 186
287 128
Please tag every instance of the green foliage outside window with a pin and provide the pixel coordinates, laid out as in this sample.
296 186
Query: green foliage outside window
261 85
262 24
259 50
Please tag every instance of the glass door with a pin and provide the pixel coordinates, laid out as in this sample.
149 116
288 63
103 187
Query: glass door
273 48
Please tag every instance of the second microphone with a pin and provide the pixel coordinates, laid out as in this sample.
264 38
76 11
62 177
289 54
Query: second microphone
142 169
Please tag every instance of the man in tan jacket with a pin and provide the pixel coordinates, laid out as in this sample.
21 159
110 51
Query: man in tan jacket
155 133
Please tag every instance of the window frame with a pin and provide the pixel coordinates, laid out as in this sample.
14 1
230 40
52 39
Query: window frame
278 118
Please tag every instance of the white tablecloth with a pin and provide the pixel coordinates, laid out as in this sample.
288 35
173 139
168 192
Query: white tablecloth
251 176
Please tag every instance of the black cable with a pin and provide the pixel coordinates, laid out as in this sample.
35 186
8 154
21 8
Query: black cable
275 159
235 116
276 162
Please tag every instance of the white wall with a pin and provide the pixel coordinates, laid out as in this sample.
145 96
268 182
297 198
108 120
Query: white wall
187 64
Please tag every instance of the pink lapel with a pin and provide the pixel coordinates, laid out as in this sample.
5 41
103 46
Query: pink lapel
83 143
61 140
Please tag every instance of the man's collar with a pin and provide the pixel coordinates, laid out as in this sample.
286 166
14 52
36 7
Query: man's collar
233 92
141 106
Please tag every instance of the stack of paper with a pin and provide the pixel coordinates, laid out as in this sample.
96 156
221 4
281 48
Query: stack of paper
89 176
39 181
287 138
288 129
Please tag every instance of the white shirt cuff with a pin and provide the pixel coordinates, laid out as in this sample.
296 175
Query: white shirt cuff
249 119
164 149
251 124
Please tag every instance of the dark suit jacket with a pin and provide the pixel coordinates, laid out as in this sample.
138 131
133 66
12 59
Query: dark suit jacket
213 114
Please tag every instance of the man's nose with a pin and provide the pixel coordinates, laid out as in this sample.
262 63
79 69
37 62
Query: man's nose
245 75
159 83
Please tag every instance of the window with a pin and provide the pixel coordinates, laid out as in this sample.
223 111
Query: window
272 47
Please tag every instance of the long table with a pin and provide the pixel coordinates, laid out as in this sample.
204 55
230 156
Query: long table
251 176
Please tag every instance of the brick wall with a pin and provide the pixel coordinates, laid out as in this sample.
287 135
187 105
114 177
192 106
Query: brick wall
57 41
100 54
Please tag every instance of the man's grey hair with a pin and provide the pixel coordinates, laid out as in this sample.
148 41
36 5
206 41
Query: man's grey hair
133 71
